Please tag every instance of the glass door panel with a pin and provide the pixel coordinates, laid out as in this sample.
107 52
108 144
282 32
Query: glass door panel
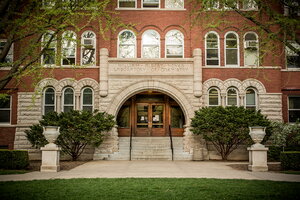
142 116
157 116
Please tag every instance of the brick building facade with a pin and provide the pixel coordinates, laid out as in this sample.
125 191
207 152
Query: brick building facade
155 77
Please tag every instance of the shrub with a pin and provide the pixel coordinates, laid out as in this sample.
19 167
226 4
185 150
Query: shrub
13 159
227 127
274 153
77 130
290 160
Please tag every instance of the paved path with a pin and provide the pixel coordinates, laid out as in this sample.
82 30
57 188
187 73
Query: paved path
154 169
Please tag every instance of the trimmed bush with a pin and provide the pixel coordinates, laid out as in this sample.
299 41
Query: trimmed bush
290 160
13 159
274 153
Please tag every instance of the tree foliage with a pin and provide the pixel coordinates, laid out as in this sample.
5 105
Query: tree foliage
24 22
77 130
227 127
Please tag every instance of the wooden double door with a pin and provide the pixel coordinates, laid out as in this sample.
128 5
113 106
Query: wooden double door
146 115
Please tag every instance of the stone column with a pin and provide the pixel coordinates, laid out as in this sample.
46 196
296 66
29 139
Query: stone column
197 73
223 99
242 99
103 72
58 102
77 100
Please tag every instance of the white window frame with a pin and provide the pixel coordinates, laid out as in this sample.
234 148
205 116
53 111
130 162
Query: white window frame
10 51
62 48
44 99
257 40
288 102
237 96
294 44
205 41
82 48
63 99
142 5
55 50
127 7
174 45
174 8
229 9
159 50
237 48
249 9
10 111
81 99
255 98
219 97
135 44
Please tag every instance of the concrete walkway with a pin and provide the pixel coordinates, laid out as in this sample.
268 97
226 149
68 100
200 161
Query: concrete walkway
155 169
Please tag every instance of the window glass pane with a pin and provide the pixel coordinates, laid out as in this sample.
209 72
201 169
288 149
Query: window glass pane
151 42
142 116
5 102
292 58
294 102
249 4
231 97
231 57
49 96
231 41
250 98
251 57
88 108
294 115
68 48
49 56
68 96
127 51
174 3
174 37
68 108
213 97
9 56
48 109
212 54
157 116
68 61
126 3
174 51
250 36
150 52
4 116
87 96
123 117
127 45
88 47
212 41
177 117
150 3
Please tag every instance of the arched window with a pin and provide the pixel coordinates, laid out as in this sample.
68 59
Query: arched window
127 44
174 44
251 49
174 4
68 48
212 48
250 99
10 55
213 97
232 97
88 48
87 100
150 44
68 99
49 47
49 100
231 49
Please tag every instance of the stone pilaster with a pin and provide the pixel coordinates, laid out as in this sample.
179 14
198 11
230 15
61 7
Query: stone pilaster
77 100
223 99
242 99
103 72
197 73
58 102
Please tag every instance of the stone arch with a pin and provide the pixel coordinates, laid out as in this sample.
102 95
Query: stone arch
213 82
67 82
232 82
45 83
88 82
155 85
255 84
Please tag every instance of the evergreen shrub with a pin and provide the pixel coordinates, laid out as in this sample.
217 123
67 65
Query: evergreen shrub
290 160
13 159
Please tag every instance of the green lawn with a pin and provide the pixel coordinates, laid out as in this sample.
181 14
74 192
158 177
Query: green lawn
129 188
7 171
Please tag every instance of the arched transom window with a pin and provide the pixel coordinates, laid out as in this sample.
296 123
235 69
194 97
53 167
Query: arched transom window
174 44
250 99
87 99
88 48
251 49
212 49
213 97
68 99
232 97
127 44
49 100
150 44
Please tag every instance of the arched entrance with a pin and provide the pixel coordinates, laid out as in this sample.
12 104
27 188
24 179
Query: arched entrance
150 114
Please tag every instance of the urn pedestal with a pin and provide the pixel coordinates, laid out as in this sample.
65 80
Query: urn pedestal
50 152
257 151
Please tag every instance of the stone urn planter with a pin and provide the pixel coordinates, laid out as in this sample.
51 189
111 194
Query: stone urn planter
51 133
257 134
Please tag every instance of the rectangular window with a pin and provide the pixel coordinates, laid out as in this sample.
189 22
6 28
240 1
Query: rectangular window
174 4
292 58
294 109
150 3
126 3
9 56
5 110
249 5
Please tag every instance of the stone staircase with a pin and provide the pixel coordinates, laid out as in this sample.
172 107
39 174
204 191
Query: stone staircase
150 148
